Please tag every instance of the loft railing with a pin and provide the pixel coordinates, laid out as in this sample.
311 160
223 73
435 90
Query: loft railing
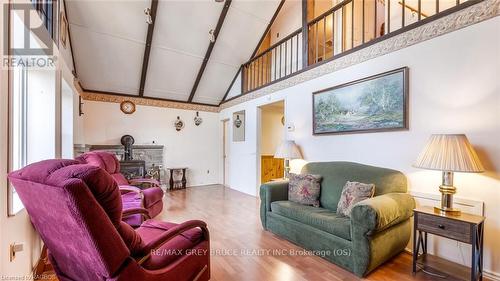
347 26
280 60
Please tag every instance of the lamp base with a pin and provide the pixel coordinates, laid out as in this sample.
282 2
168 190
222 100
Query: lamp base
447 190
447 211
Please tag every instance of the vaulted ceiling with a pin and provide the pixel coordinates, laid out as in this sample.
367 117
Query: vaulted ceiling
109 43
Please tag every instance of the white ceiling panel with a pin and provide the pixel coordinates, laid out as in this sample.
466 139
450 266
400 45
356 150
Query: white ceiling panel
261 9
234 46
109 42
214 83
184 25
171 74
124 19
107 63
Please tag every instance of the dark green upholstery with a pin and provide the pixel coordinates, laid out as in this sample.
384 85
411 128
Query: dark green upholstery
320 218
378 228
336 174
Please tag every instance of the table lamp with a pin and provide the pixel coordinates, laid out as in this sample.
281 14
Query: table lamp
288 150
449 153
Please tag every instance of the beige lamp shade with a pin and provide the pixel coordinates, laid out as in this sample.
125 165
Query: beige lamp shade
451 153
289 150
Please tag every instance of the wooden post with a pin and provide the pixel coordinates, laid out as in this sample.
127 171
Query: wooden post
305 35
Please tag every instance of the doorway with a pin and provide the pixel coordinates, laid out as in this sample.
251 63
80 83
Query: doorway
272 133
225 152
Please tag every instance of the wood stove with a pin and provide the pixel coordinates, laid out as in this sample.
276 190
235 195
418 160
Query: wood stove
133 168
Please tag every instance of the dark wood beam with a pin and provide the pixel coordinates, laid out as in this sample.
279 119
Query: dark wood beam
268 28
75 74
222 17
305 36
143 97
147 50
231 85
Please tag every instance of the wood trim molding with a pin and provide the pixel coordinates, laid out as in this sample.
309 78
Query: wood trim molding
220 22
90 95
473 14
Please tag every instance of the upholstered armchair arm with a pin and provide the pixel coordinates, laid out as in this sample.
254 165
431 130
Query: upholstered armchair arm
144 181
136 211
172 233
129 188
270 192
381 212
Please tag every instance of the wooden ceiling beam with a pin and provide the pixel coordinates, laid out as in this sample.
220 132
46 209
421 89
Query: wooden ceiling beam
220 22
147 49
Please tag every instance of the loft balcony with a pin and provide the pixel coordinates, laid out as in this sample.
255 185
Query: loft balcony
347 27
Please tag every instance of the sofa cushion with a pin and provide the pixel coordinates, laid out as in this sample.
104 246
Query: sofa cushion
304 189
336 174
352 193
319 218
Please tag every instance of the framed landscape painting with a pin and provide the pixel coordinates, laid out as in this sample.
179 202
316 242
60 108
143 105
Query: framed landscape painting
373 104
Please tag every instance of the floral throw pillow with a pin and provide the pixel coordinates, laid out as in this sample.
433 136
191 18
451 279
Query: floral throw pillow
304 189
352 193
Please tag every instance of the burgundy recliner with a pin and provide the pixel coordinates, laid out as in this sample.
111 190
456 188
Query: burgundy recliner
77 210
132 196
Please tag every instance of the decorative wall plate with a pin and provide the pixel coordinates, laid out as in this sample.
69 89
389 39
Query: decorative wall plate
179 124
237 121
197 119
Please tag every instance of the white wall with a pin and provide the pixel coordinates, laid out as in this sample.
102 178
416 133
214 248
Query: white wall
196 147
454 88
67 120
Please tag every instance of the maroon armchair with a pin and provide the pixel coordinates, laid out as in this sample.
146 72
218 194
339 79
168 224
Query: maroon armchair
77 211
132 196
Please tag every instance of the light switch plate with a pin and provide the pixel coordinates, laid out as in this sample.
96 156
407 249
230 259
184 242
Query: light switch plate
14 248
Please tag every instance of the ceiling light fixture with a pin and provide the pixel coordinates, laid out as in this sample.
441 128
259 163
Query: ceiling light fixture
211 35
149 19
219 1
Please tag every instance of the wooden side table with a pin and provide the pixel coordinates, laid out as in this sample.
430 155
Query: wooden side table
464 227
177 184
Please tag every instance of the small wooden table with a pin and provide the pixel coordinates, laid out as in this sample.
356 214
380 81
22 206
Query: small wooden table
177 184
464 227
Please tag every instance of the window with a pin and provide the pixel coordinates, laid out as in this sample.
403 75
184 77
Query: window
19 130
33 121
47 9
32 112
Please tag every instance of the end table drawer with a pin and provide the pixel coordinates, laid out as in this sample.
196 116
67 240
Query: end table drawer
457 230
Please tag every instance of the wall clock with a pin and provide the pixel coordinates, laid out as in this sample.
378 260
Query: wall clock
127 107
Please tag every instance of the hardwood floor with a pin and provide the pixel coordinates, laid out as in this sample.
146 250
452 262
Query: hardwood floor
238 240
236 233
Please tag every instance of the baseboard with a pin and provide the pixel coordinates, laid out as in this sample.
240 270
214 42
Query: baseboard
487 274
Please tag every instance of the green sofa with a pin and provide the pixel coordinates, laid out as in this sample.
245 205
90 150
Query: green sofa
378 228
